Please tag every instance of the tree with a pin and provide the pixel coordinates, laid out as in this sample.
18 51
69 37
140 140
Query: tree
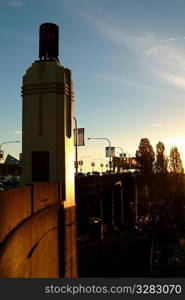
161 163
175 163
145 156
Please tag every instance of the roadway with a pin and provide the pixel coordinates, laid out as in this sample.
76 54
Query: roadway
120 255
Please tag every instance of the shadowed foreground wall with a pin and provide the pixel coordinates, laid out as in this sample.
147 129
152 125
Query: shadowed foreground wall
37 233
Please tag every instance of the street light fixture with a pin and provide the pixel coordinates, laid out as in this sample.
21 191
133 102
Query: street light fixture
121 149
107 141
8 143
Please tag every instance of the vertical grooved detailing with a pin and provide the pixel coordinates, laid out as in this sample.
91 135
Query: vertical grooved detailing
40 103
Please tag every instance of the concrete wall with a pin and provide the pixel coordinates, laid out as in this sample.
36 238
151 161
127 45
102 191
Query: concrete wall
31 225
70 250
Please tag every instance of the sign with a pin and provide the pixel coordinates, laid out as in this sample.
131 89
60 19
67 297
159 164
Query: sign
79 137
93 164
109 151
80 162
75 164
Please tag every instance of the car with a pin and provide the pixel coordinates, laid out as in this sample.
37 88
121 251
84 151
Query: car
88 173
95 173
95 227
1 187
109 172
3 179
80 174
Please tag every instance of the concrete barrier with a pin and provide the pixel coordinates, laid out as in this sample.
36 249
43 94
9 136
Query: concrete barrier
32 250
15 207
36 240
45 194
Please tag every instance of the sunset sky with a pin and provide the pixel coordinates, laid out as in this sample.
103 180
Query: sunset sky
128 64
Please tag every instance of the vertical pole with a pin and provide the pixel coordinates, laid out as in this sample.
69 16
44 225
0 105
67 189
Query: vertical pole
76 147
122 218
136 200
119 170
101 215
113 218
110 155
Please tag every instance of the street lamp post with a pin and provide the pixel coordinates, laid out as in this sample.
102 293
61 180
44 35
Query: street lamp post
120 148
107 141
7 143
76 146
122 153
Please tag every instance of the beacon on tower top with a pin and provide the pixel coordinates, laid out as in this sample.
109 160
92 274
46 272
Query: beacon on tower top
48 41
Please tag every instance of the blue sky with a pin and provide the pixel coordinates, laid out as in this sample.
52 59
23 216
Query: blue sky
128 64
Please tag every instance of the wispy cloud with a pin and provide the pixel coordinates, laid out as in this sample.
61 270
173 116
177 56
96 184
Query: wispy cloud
169 65
167 40
157 125
17 132
176 80
152 51
122 37
11 3
121 80
110 31
161 57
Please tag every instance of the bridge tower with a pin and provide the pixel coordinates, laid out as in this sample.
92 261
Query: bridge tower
47 91
47 125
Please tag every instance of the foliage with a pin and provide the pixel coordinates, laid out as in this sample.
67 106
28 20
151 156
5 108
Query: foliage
161 163
175 162
145 156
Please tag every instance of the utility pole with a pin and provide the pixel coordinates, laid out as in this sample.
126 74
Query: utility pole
76 146
110 163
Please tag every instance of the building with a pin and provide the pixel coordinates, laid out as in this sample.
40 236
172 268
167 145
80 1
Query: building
11 167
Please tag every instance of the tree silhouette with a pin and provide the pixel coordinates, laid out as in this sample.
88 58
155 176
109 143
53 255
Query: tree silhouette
175 163
145 156
161 163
